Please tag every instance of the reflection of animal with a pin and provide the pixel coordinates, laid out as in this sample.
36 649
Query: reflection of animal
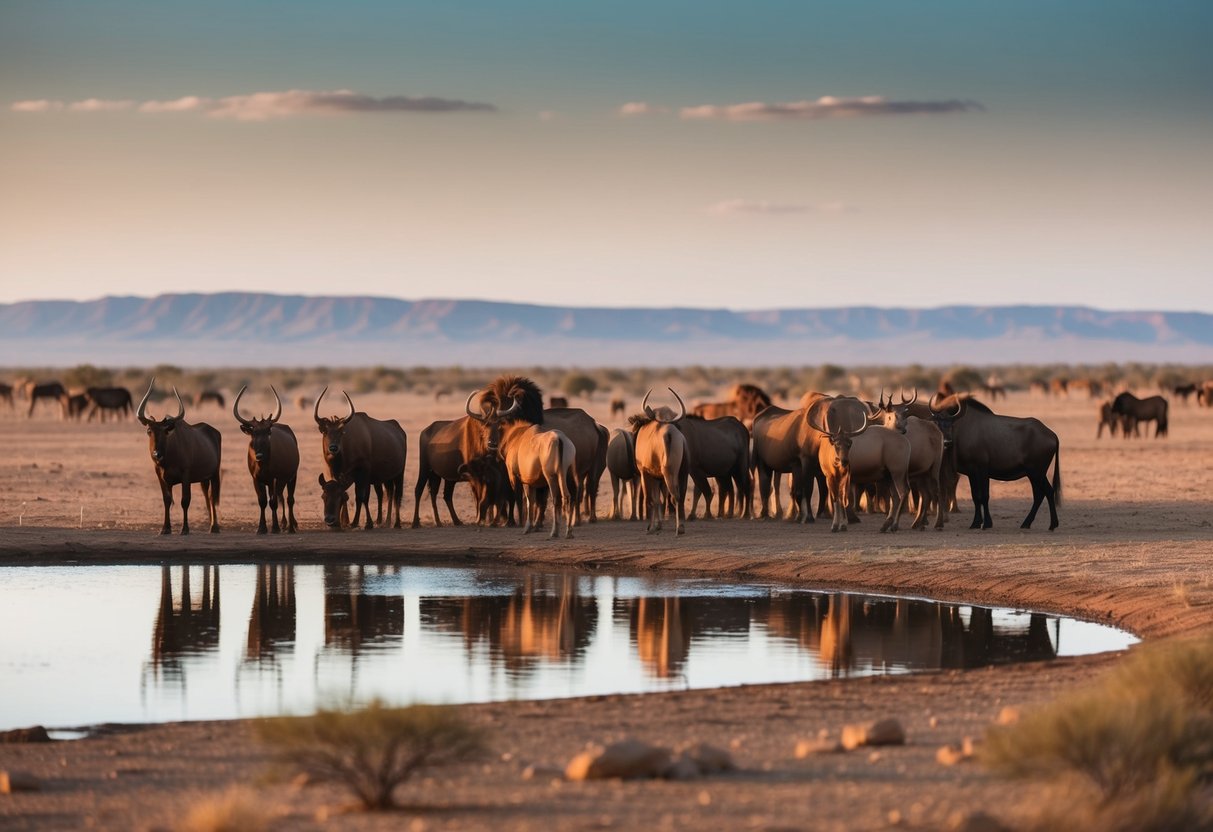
618 406
988 446
1133 411
50 390
363 452
273 463
109 400
621 462
662 460
856 452
183 454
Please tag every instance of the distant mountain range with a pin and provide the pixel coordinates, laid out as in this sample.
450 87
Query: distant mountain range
237 328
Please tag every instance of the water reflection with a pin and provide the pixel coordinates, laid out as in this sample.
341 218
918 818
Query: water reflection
290 636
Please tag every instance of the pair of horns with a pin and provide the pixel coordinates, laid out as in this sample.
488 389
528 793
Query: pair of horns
316 410
467 407
277 414
937 399
867 421
648 411
141 413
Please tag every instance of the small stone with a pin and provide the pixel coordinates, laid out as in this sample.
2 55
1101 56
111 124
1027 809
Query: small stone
970 746
949 755
1009 715
875 757
817 745
704 798
18 781
880 732
534 772
974 822
629 759
35 733
683 768
709 758
933 722
893 817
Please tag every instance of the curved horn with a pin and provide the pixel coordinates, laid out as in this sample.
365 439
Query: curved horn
881 405
351 402
278 414
867 423
912 400
467 406
680 403
808 417
510 410
141 413
236 407
180 405
316 409
644 405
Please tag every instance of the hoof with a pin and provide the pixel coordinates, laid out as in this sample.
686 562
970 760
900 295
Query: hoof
165 531
262 530
214 530
680 531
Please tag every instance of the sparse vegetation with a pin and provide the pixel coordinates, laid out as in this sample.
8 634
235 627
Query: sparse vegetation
1134 752
579 384
236 810
374 749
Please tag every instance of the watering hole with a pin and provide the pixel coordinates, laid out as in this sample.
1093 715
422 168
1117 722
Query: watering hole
82 645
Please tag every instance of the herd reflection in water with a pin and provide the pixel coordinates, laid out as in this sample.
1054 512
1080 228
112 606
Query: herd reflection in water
525 621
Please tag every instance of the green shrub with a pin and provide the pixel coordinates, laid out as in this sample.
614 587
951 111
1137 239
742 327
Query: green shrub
578 384
374 749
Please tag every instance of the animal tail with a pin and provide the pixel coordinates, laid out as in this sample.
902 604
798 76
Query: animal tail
1057 477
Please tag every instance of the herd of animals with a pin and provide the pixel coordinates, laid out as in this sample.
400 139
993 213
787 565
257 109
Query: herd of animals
518 454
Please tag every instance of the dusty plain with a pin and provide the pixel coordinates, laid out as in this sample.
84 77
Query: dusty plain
1134 550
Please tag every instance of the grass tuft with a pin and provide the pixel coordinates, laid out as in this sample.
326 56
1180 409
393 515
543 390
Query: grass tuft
236 810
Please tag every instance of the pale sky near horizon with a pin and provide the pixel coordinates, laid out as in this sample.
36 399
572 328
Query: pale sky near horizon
633 153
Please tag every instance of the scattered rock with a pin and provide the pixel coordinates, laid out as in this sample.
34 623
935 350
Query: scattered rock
817 745
628 760
949 755
18 781
34 734
880 732
533 772
709 758
974 822
683 768
1009 715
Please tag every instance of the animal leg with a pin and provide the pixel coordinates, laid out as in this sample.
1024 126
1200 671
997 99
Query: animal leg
261 501
1039 483
379 504
897 504
424 479
166 492
185 504
764 491
292 524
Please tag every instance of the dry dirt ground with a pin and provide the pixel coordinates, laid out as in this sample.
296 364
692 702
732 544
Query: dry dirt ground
1134 550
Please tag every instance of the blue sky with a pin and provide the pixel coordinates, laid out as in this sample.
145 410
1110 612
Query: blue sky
915 154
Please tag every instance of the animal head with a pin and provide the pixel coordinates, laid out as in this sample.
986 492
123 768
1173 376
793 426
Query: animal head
895 416
945 411
258 430
158 432
839 435
332 428
663 414
508 399
335 496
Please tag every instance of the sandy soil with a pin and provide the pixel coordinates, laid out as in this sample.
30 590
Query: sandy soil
1133 550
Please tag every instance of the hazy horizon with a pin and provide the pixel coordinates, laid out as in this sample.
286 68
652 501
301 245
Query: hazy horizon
673 153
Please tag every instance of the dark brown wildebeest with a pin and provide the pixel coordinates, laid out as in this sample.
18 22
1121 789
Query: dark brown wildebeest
442 448
273 463
557 401
663 463
719 449
1133 411
1184 391
303 402
212 396
590 495
50 390
926 455
621 462
748 401
363 451
784 443
77 403
988 446
618 407
6 393
573 422
1107 418
490 482
183 454
856 451
104 401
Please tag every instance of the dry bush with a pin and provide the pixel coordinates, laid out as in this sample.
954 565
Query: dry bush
1134 752
374 749
237 810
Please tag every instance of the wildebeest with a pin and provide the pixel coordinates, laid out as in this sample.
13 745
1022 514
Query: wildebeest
1134 411
784 443
75 406
183 454
662 460
618 407
490 482
6 393
988 446
573 422
303 402
363 451
857 451
926 455
273 463
1184 391
50 390
114 401
621 463
712 410
1107 418
719 449
537 457
213 396
557 401
1204 395
748 401
442 448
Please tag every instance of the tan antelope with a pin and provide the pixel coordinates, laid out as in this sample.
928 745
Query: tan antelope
663 462
926 455
537 457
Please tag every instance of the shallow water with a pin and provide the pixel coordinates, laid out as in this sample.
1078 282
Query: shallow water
85 645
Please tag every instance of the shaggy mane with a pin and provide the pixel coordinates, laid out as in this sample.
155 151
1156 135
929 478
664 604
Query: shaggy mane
505 389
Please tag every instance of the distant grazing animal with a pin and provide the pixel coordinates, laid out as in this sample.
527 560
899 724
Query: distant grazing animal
621 463
210 396
1204 396
183 454
304 402
49 390
362 451
618 407
713 410
112 401
662 460
748 401
6 393
1107 419
557 401
77 403
1184 391
988 446
273 463
1134 411
439 392
1060 387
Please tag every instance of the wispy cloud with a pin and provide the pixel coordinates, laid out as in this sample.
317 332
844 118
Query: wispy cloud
825 107
263 106
642 108
769 208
